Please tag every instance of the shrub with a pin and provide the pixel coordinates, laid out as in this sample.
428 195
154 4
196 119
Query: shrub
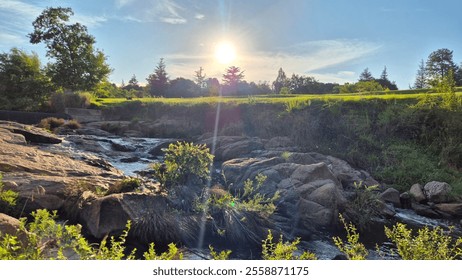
73 124
7 196
47 239
352 248
283 250
222 255
51 123
251 200
365 204
428 244
184 163
171 254
125 185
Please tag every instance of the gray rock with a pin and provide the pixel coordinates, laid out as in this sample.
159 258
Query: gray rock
437 192
424 210
313 172
417 193
30 133
453 209
391 195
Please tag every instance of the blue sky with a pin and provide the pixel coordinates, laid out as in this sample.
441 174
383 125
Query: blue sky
332 40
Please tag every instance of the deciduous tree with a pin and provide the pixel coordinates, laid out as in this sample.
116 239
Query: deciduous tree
23 83
439 64
76 64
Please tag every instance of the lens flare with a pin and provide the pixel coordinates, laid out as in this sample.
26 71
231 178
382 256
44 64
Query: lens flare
225 53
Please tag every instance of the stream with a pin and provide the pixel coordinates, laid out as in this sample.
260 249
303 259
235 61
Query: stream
134 155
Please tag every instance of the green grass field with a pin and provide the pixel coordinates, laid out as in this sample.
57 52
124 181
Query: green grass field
274 99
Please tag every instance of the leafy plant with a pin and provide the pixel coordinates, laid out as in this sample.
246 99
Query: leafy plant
184 162
251 200
171 254
283 250
364 204
352 248
125 185
427 244
7 196
222 255
44 238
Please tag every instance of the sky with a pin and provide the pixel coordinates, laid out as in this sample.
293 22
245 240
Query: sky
331 40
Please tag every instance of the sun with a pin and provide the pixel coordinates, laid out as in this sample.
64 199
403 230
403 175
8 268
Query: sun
225 53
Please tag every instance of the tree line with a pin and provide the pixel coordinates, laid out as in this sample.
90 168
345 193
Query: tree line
76 65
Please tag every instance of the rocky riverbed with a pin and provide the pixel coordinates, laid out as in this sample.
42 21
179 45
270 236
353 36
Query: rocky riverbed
73 171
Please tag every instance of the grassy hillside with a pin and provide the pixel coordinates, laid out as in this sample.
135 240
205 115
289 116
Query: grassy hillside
401 138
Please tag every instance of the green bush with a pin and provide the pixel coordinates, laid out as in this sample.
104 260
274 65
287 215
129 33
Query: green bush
352 248
125 185
222 255
251 200
47 239
427 244
283 250
365 204
184 163
7 196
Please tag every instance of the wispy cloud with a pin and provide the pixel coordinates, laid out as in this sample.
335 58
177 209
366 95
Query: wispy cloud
19 8
166 11
8 40
89 21
199 16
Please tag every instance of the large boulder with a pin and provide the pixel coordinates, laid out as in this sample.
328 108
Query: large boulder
30 133
231 147
453 209
311 196
417 193
151 217
392 196
437 192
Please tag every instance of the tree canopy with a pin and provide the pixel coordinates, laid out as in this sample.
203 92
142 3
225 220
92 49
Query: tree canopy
77 64
158 81
23 83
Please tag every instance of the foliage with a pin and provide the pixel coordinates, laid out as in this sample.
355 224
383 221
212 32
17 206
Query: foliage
283 250
365 204
158 81
427 244
439 64
72 124
171 254
44 238
7 196
352 248
125 185
421 80
184 162
361 86
51 123
406 164
281 82
77 65
251 200
222 255
23 83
